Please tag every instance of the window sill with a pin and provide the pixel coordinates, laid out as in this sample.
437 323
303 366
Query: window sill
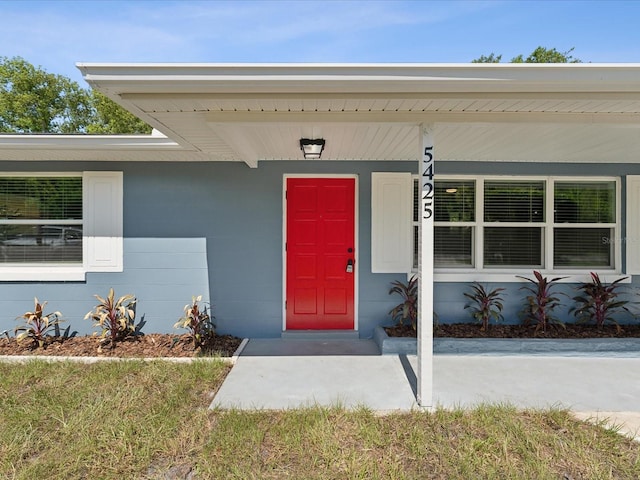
42 274
607 276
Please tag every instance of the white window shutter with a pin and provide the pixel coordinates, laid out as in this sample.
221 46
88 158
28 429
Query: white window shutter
391 210
633 225
102 214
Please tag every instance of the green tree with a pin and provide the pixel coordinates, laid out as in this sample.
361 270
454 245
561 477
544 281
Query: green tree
111 118
33 100
539 55
491 58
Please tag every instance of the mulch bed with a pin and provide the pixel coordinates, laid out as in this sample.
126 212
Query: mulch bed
568 331
152 345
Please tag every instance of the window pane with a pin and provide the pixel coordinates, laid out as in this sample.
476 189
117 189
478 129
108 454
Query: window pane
513 246
416 199
514 201
583 247
455 201
40 243
416 240
44 198
453 246
585 202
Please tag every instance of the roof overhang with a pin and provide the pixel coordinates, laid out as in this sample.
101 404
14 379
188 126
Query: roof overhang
484 112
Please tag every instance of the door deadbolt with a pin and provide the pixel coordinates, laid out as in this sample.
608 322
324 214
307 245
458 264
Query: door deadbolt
350 265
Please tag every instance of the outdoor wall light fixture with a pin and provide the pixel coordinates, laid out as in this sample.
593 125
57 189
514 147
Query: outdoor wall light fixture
312 149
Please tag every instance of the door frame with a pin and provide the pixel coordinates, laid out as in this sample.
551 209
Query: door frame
356 225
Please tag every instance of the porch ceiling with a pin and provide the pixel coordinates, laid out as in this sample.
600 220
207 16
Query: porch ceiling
483 112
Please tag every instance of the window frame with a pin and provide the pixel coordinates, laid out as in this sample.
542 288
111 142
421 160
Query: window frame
108 238
43 222
479 272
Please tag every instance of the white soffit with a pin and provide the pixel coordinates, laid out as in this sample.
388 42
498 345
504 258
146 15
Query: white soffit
499 112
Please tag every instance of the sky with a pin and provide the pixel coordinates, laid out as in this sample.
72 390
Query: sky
57 34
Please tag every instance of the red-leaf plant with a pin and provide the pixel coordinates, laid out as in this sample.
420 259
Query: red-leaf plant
599 302
485 304
542 302
408 309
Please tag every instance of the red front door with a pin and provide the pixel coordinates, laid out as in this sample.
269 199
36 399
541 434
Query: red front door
320 248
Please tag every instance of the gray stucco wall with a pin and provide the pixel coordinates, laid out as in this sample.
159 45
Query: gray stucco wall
216 229
202 228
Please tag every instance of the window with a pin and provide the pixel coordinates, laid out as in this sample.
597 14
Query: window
514 223
60 226
584 224
544 223
41 220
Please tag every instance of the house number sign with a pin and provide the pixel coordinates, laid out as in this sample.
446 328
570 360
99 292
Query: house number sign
427 181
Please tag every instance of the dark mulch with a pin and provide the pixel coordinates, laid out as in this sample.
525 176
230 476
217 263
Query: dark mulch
151 345
472 330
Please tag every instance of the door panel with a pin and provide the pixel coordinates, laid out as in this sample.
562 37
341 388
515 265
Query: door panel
320 243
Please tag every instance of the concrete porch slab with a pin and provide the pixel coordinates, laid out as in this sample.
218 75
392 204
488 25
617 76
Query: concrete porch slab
577 383
284 382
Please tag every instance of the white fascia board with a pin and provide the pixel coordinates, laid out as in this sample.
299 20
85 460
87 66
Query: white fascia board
88 142
468 77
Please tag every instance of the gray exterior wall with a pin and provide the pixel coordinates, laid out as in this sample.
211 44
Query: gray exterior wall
215 229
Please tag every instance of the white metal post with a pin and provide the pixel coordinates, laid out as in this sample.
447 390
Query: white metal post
425 268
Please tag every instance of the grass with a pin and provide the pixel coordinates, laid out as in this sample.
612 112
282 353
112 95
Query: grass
136 419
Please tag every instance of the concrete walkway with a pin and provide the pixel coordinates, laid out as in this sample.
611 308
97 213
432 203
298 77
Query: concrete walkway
280 374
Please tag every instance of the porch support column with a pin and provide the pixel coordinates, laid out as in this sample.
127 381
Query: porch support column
425 268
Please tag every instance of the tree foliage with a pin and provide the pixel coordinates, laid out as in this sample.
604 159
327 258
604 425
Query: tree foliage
111 118
539 55
491 58
33 100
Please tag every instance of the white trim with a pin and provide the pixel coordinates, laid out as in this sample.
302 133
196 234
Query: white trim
378 78
391 222
467 276
87 142
43 273
426 213
40 174
103 221
46 272
632 236
356 226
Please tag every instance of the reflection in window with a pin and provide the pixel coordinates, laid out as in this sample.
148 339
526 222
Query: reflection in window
41 220
513 247
506 201
455 207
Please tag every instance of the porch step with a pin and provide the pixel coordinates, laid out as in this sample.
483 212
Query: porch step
320 335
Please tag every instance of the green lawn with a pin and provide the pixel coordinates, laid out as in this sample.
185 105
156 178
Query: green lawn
136 420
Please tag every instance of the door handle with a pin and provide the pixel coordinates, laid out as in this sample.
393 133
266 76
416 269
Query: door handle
350 263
